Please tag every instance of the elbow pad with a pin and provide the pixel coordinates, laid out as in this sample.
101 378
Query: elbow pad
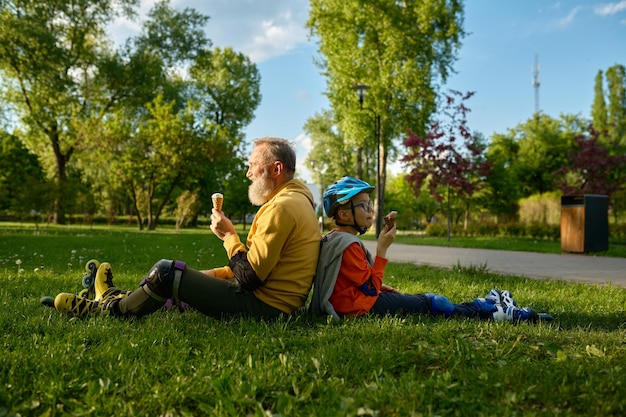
243 272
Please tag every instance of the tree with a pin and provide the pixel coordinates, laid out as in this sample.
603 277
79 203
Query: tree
412 211
591 169
325 136
401 49
616 110
598 109
226 85
218 94
23 187
543 143
155 157
610 120
449 155
49 57
503 187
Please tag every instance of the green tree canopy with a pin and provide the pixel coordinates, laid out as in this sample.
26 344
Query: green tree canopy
401 49
49 57
23 187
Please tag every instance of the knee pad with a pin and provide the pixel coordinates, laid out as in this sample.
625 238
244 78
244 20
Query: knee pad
163 280
440 305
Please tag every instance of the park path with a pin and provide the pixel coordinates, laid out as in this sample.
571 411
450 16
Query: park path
569 267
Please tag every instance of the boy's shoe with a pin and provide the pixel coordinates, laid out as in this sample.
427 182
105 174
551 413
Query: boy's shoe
104 280
517 314
76 306
501 297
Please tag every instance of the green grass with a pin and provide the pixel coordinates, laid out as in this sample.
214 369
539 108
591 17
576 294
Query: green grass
188 364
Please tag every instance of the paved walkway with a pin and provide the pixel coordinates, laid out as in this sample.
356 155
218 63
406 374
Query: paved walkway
570 267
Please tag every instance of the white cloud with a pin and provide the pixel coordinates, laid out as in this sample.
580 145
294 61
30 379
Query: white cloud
567 20
274 37
608 9
123 28
303 147
260 29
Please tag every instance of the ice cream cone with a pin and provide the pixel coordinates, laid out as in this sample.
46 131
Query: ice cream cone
218 200
390 219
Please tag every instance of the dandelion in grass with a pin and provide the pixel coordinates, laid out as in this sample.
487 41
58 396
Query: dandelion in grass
18 262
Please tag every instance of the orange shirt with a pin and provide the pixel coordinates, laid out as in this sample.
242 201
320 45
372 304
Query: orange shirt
347 298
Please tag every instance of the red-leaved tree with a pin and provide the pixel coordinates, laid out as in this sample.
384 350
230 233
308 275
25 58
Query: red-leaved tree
592 168
450 156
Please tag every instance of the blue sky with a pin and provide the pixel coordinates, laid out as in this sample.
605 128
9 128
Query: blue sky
571 39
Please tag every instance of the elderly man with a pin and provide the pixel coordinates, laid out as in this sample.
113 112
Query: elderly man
271 275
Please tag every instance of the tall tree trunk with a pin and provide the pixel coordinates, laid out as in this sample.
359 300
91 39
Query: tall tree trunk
136 205
61 176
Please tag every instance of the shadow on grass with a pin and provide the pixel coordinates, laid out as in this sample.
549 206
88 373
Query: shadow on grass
571 320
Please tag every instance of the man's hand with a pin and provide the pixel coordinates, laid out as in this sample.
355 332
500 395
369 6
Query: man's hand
221 225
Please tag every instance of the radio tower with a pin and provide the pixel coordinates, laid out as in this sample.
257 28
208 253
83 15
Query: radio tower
536 82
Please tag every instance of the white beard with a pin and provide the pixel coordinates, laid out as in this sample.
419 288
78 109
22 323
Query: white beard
261 189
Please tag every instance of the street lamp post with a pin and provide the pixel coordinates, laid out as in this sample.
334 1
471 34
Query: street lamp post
360 91
321 206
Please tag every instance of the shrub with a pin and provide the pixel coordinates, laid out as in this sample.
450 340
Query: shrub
512 229
436 230
541 208
543 231
488 229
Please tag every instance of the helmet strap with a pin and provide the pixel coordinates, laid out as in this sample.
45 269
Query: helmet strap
358 228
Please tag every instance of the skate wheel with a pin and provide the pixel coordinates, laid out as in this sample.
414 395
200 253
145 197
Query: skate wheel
47 301
88 281
92 265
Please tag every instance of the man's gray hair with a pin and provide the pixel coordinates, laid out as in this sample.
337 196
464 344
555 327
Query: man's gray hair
279 150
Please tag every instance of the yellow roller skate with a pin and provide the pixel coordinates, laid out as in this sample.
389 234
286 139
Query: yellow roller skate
104 294
103 281
89 279
77 306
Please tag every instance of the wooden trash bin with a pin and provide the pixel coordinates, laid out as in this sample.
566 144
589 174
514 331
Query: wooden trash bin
584 223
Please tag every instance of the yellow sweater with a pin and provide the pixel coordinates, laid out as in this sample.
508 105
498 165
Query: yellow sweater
283 246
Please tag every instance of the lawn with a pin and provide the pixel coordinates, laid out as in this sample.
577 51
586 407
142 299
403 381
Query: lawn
187 364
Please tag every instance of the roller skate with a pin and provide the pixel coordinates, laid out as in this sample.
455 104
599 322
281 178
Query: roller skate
89 279
501 297
97 296
77 306
88 283
505 308
519 314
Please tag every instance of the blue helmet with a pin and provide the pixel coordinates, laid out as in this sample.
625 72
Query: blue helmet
343 190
